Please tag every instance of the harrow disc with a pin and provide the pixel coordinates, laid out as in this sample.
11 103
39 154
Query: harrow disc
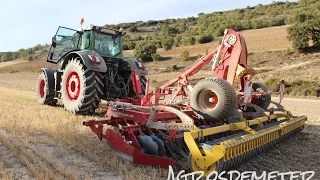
152 145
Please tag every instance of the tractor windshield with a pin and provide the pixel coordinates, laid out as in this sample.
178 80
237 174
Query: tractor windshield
107 45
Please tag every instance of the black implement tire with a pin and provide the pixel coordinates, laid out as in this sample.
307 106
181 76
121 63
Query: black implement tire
43 92
222 95
264 100
78 88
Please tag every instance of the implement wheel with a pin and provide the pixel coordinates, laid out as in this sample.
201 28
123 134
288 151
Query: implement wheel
79 93
213 99
43 92
264 100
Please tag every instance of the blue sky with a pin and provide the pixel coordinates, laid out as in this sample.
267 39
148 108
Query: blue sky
28 23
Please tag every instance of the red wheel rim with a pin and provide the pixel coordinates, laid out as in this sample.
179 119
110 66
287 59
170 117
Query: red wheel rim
73 86
41 88
208 99
213 99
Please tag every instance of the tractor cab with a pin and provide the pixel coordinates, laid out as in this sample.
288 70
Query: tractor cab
101 40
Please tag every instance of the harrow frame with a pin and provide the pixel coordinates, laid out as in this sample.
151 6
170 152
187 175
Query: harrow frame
225 151
205 146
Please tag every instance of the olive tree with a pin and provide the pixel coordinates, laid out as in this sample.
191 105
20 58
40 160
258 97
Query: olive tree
144 51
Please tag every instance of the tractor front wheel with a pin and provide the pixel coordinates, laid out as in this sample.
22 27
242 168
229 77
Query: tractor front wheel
43 93
78 88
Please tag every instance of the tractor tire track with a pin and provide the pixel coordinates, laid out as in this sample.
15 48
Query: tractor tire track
38 164
47 159
10 166
71 159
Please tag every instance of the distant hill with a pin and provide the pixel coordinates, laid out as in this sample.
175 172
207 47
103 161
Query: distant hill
182 31
275 14
28 54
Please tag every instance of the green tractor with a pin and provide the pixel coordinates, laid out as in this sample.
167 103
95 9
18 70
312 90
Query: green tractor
91 67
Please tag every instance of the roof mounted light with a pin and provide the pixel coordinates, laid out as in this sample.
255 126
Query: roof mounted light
81 22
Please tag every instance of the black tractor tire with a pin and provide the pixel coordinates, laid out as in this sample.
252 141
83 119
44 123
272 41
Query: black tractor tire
223 105
43 93
79 92
143 81
100 83
264 100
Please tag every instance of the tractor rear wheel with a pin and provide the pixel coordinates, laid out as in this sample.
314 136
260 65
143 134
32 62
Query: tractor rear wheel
78 88
264 100
43 93
213 99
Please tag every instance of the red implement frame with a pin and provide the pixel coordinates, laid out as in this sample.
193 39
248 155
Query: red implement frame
229 61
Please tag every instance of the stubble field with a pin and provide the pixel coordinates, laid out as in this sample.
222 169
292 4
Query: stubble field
45 142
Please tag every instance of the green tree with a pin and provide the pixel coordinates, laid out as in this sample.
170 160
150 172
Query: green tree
185 56
36 48
6 56
22 53
129 45
219 31
306 28
205 39
133 29
144 51
192 40
181 28
164 30
30 51
188 41
185 41
167 43
177 40
29 58
15 55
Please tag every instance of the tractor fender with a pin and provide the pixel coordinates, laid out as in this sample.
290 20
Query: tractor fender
98 64
49 73
135 65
